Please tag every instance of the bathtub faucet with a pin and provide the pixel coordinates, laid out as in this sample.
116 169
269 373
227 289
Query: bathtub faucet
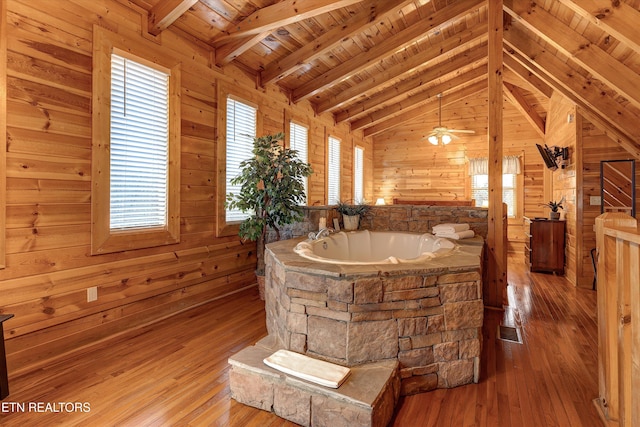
321 233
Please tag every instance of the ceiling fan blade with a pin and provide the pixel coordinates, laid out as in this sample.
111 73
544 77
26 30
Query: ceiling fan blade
461 131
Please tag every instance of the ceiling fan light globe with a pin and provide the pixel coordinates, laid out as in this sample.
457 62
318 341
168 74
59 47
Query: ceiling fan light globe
433 139
446 139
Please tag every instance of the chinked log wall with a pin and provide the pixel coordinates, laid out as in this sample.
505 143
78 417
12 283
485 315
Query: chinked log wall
48 261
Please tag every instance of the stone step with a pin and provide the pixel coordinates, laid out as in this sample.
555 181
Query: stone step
367 398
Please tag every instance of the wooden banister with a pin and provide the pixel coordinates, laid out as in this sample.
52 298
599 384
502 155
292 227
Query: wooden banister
618 248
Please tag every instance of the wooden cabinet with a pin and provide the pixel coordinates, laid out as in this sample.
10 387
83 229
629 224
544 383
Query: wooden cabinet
544 249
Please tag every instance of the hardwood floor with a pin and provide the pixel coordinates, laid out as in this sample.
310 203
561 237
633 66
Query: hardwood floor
175 372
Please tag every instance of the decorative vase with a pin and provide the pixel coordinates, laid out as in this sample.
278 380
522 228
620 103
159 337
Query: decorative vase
554 215
351 222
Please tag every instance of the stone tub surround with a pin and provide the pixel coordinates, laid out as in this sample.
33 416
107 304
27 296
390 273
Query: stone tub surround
427 317
418 218
367 398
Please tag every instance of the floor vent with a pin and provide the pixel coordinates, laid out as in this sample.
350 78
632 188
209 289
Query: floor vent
509 333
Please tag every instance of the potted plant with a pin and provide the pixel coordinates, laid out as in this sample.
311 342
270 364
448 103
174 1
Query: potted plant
554 206
351 213
272 190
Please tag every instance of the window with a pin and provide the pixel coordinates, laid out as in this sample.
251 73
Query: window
480 191
241 130
299 141
333 175
139 145
358 175
136 154
478 170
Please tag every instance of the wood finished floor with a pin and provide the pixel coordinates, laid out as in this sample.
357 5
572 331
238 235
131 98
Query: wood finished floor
175 373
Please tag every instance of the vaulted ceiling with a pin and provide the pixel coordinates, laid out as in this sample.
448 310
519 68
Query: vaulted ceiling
378 64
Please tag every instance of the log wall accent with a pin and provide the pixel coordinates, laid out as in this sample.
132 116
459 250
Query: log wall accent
48 189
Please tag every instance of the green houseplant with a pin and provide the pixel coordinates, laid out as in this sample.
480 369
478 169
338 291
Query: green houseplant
272 190
351 213
554 206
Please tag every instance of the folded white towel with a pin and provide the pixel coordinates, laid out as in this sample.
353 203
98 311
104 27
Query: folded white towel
450 228
465 234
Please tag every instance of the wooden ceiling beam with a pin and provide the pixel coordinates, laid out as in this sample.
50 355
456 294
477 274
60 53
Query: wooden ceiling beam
585 53
384 49
279 15
165 12
534 82
418 99
231 51
628 145
331 39
619 119
449 97
613 17
466 60
517 99
450 46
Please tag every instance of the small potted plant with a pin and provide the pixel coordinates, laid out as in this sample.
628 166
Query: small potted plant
554 206
272 191
351 213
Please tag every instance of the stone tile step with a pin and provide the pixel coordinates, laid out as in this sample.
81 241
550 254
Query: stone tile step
367 398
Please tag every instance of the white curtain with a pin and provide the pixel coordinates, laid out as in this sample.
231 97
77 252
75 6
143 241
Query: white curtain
480 166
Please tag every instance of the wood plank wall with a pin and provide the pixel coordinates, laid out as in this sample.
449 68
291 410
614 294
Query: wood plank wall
596 146
406 167
562 131
49 266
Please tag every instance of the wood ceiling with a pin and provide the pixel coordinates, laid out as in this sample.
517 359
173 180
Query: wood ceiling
378 64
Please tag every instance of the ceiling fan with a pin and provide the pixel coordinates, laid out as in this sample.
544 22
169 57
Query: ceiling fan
442 133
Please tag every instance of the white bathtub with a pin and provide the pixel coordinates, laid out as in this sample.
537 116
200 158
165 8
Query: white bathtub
374 247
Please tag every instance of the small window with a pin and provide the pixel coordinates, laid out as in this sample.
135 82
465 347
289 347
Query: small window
333 176
299 141
480 191
241 131
358 175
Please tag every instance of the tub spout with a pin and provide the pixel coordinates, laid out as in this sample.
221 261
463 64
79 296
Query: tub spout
321 233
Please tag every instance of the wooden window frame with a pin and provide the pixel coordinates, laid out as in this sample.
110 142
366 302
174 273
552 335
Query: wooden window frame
224 228
103 239
287 143
3 132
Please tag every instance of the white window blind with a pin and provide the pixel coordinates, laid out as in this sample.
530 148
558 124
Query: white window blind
241 131
139 145
358 175
299 141
333 179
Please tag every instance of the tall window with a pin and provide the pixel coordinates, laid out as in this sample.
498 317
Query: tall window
333 175
135 197
299 141
358 175
241 130
139 145
478 170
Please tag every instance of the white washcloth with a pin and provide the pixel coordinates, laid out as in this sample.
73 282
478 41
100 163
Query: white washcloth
450 228
465 234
